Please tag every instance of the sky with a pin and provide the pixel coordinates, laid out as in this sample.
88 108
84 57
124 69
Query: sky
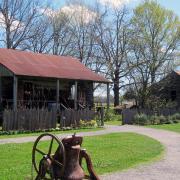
168 4
173 5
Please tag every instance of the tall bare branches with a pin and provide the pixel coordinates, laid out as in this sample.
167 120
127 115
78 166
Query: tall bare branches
114 41
17 20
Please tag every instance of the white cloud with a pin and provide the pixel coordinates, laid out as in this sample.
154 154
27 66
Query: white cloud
79 13
14 24
114 3
48 12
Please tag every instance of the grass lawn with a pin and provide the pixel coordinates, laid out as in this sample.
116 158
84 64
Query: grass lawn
115 122
170 127
54 132
109 153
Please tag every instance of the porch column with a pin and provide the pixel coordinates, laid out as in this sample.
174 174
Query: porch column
57 94
15 89
0 92
108 96
75 95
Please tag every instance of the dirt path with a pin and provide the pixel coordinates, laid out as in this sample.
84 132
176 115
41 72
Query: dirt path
166 169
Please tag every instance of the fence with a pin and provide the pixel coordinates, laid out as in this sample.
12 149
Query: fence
28 119
129 114
70 117
36 119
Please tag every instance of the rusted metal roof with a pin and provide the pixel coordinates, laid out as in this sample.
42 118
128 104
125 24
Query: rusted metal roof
44 65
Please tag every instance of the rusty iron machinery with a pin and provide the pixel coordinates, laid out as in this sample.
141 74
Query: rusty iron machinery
62 161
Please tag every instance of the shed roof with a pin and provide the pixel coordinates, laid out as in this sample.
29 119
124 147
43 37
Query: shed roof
44 65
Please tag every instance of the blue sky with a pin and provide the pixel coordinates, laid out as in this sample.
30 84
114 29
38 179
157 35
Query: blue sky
172 5
169 4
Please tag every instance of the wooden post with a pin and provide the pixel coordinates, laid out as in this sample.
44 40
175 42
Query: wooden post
15 89
75 95
0 87
108 96
57 94
102 115
0 91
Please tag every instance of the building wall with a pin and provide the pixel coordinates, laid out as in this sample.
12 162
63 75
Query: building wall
169 88
6 87
89 94
85 93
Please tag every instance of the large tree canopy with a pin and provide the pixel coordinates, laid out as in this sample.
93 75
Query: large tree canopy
155 41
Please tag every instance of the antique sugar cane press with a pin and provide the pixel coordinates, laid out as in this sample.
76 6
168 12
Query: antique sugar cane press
65 163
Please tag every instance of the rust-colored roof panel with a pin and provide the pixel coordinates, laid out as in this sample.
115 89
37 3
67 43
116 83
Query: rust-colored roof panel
44 65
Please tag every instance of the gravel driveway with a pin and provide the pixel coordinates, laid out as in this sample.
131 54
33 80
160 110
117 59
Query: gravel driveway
166 169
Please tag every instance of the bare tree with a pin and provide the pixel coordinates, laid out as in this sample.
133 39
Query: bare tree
75 29
82 27
114 39
62 34
41 41
17 21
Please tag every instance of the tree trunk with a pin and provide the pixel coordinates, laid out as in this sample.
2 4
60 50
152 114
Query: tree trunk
152 77
116 89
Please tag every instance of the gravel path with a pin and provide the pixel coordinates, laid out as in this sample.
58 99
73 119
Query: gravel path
166 169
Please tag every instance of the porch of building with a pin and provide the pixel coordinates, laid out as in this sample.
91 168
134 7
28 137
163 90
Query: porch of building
39 90
31 103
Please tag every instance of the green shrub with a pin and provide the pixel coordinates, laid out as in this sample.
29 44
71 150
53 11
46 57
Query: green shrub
154 119
91 123
141 119
169 121
176 116
162 119
175 121
172 119
111 116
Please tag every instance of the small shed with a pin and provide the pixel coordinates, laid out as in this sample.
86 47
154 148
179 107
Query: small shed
168 88
31 80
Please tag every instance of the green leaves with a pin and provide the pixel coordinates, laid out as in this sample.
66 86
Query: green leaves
154 43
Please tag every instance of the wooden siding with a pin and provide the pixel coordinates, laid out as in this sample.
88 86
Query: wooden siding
167 86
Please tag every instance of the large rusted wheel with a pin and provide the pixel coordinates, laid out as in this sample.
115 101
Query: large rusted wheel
56 156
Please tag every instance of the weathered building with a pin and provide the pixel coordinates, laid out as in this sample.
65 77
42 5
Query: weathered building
31 80
169 88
